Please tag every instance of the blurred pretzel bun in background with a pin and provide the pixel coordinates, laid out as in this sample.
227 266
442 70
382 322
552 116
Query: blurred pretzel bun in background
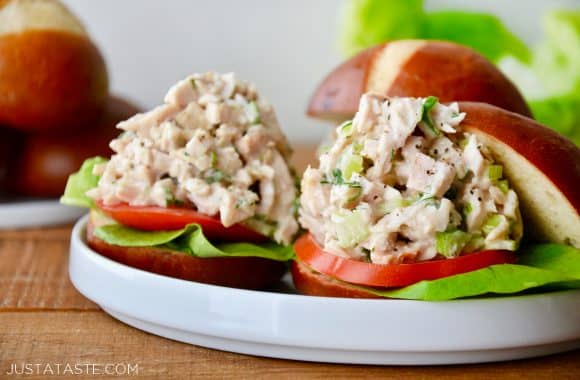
416 68
51 75
46 159
55 107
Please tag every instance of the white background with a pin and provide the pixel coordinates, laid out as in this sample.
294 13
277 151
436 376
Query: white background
284 46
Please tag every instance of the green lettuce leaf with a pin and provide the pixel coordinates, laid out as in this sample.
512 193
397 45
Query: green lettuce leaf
556 266
80 182
560 113
557 57
190 240
369 22
480 31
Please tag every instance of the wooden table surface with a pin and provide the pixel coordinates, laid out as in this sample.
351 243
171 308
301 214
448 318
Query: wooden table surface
45 321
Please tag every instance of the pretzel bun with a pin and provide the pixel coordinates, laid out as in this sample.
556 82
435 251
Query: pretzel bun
47 159
51 75
415 68
236 272
543 168
307 281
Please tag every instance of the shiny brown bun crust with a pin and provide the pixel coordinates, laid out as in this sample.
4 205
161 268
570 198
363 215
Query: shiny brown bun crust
415 68
50 79
542 166
309 282
235 272
47 159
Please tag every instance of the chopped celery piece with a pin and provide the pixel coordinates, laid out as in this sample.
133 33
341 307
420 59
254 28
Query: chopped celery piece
324 148
262 225
450 244
214 159
492 222
494 172
510 245
467 209
476 243
393 204
351 163
353 193
170 199
503 185
350 228
345 129
428 105
253 113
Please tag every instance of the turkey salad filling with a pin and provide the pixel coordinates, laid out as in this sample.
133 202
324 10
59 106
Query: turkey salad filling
214 145
403 183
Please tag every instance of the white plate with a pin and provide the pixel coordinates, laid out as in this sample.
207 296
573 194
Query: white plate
37 213
321 329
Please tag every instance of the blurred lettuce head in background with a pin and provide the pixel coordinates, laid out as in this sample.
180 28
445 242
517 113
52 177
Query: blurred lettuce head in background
548 74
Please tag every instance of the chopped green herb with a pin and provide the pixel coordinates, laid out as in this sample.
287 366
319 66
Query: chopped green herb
214 175
338 179
192 82
295 206
243 202
170 199
214 159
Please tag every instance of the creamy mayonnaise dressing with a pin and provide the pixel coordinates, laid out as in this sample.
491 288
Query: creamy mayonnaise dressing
402 182
214 145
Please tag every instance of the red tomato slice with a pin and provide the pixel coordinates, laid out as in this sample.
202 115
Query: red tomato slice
393 275
152 218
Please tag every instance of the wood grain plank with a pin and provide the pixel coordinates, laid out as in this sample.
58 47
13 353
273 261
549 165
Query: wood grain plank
34 271
93 337
303 156
58 233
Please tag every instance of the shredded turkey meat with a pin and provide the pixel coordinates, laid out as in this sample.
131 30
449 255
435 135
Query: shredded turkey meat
403 183
214 145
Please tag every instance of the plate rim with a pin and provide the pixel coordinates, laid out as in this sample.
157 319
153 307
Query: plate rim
280 302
